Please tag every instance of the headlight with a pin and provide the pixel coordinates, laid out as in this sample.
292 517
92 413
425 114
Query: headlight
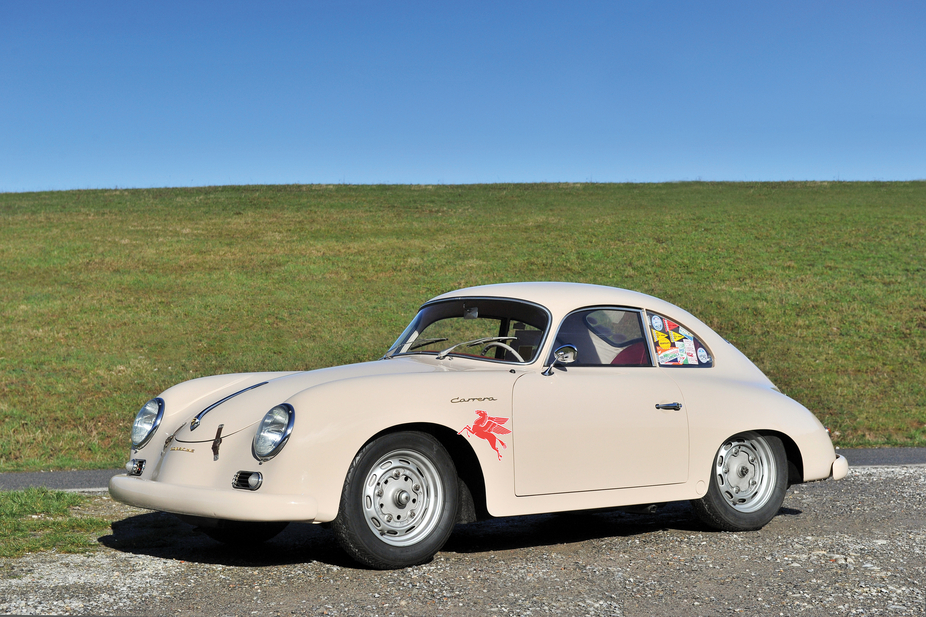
146 422
273 432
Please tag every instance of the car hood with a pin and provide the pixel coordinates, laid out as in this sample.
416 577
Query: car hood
244 402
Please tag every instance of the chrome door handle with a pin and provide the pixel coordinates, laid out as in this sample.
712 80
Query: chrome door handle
672 406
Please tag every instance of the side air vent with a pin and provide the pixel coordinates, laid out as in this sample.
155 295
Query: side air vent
248 480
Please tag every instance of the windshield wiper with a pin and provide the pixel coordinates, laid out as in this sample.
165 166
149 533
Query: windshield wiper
474 342
418 343
425 341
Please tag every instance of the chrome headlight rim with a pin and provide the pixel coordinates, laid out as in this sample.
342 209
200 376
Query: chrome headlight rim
154 425
287 430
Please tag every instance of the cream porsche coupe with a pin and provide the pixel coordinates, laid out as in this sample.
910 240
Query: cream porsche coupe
498 400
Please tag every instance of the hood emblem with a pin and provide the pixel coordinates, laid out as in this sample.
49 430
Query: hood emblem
199 417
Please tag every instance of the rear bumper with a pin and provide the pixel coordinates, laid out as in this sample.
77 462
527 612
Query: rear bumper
229 504
840 468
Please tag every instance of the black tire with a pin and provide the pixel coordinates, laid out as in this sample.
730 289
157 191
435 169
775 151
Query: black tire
749 478
241 534
399 502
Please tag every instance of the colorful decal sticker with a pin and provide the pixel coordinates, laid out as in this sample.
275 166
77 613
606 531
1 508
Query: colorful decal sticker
486 427
676 346
661 339
702 355
669 356
681 345
690 354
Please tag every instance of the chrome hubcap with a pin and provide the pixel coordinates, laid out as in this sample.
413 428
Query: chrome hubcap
402 497
745 473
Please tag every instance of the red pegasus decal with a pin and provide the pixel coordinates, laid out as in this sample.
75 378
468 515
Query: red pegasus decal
486 427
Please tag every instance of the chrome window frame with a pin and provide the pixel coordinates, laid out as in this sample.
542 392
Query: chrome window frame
609 307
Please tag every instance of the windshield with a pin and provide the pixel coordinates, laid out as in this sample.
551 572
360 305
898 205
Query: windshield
493 329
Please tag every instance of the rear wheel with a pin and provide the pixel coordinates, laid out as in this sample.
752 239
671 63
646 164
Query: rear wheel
399 501
748 482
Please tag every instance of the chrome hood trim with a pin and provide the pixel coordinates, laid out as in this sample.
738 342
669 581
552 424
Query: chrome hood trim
194 423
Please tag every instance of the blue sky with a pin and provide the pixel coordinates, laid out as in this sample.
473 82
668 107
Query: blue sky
144 94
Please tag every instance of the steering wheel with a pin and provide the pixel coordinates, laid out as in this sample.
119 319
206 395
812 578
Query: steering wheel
503 346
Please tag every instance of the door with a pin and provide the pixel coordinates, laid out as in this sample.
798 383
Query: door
594 428
595 425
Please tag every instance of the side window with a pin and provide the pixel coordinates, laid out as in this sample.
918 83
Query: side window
604 336
676 346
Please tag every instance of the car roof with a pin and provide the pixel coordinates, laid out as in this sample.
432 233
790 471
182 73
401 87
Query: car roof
561 298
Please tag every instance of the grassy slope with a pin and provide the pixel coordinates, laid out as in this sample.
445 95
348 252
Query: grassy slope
108 297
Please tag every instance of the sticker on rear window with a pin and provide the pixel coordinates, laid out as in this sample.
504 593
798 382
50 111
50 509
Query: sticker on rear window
676 346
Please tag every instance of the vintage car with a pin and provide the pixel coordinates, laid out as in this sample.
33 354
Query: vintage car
499 400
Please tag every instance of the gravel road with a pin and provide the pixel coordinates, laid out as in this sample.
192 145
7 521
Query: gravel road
854 547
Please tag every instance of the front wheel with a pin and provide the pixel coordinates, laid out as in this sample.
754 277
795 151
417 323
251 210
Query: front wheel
399 501
748 482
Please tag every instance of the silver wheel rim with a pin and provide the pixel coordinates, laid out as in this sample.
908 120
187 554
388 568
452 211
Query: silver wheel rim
403 497
745 472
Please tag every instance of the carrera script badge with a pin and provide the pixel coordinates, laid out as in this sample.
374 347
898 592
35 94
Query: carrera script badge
487 427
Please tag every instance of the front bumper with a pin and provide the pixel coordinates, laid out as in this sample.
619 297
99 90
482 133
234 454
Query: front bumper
226 504
840 468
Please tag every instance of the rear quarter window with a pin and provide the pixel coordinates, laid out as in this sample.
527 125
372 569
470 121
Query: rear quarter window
675 345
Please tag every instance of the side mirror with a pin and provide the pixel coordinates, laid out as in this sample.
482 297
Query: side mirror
567 354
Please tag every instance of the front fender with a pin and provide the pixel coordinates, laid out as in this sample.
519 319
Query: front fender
335 420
